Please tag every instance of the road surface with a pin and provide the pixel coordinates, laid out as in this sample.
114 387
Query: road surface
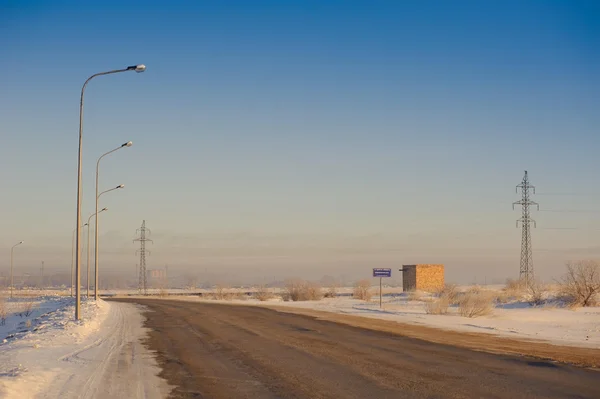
224 351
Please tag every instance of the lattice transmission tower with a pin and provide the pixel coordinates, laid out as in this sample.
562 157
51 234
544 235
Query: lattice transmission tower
526 274
142 280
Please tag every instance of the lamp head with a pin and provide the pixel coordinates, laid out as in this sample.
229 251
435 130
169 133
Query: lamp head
103 209
120 186
21 242
128 144
137 68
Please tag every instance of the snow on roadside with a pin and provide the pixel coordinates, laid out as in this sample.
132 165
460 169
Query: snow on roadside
25 349
559 326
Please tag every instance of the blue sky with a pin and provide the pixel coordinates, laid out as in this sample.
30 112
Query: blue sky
304 137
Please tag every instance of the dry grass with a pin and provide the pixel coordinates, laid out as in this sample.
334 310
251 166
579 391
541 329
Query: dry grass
25 308
3 311
513 291
415 296
474 303
221 292
362 290
580 286
450 291
300 290
438 305
331 291
263 294
537 293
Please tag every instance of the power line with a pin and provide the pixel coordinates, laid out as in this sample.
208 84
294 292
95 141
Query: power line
569 210
142 279
571 228
526 271
570 194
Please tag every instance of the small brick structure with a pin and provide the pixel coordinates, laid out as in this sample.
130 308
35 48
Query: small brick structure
422 277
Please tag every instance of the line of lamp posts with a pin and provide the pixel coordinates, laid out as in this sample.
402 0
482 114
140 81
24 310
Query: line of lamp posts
77 248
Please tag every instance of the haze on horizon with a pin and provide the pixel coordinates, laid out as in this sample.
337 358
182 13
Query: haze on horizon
303 139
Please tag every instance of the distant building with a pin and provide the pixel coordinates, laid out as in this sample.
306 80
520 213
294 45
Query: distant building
423 277
157 273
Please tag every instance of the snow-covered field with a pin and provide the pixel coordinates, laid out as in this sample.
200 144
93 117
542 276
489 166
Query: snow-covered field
519 320
50 355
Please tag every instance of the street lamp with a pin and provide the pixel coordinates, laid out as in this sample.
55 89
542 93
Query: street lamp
73 258
136 68
88 248
96 244
11 267
128 144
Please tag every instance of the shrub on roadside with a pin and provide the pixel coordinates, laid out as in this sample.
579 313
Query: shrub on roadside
3 311
263 294
362 290
580 285
514 290
537 293
437 305
331 291
300 290
450 291
221 292
415 296
475 303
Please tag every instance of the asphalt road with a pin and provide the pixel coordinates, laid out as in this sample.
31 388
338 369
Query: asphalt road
224 351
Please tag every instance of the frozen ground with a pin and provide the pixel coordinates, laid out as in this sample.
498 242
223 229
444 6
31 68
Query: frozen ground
100 356
560 326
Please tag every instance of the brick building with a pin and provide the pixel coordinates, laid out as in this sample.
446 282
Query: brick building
423 277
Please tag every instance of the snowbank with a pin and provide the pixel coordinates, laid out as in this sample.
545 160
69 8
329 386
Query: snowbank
29 345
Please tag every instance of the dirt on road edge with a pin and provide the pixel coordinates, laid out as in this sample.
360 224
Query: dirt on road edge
578 356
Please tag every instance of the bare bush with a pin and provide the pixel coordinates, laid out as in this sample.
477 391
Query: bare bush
362 290
221 292
314 292
28 308
537 292
300 290
581 284
293 289
450 291
437 305
415 296
331 291
514 290
263 293
475 303
3 311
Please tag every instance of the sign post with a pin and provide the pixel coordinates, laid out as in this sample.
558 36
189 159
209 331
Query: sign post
379 272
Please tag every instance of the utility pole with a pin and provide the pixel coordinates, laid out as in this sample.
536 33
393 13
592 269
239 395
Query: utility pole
42 277
167 276
526 274
142 279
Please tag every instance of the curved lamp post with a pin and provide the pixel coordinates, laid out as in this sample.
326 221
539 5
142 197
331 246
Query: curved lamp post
11 266
96 246
128 144
88 247
136 68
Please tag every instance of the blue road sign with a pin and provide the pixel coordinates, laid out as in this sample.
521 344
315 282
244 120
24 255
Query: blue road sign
382 272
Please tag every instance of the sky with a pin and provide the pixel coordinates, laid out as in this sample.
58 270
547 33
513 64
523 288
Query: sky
303 138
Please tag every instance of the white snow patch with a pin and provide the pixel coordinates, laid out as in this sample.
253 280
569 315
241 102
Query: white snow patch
98 356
